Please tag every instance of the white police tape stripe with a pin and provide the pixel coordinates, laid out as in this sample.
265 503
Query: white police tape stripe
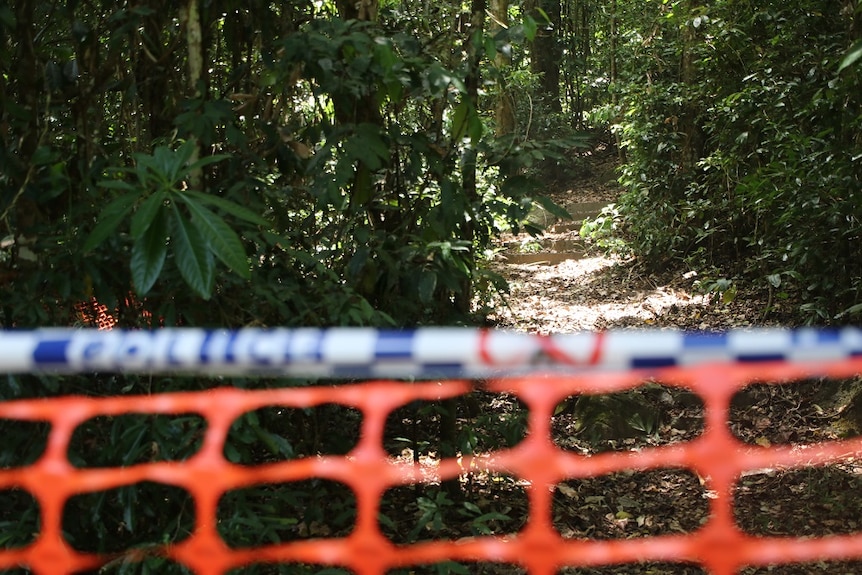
421 353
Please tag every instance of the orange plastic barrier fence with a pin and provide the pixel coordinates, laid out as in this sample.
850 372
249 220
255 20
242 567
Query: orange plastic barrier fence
716 455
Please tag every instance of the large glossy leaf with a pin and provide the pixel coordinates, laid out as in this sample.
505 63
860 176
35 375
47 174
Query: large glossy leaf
207 160
853 55
116 185
439 79
460 120
553 208
146 214
193 256
375 150
466 122
222 240
427 285
109 220
228 206
148 254
173 162
530 27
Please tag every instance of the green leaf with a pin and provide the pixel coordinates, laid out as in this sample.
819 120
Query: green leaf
530 27
146 214
472 507
367 146
476 127
109 219
460 120
129 518
148 254
852 310
193 256
228 206
466 122
553 208
427 285
370 137
729 295
178 163
490 46
518 186
164 162
116 185
853 55
222 240
206 161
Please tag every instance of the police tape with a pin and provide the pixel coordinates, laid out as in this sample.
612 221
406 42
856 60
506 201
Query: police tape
420 354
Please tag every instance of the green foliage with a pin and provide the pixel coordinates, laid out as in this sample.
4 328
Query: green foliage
433 514
318 176
852 57
605 230
723 289
750 161
164 209
319 173
272 513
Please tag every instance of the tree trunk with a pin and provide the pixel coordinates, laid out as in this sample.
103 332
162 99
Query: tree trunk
362 109
473 48
576 32
546 52
464 297
190 16
365 10
504 113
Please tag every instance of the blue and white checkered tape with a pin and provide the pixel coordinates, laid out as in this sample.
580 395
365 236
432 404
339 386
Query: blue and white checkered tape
420 353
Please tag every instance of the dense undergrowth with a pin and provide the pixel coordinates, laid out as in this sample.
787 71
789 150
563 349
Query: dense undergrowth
746 157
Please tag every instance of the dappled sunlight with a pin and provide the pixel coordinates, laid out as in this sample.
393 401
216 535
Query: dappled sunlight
588 294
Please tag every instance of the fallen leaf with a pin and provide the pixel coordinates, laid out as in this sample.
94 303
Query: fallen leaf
763 442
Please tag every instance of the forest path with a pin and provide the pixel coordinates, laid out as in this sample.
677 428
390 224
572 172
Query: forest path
595 291
560 285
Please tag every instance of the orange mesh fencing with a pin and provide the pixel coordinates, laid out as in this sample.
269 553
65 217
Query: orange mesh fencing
94 314
717 456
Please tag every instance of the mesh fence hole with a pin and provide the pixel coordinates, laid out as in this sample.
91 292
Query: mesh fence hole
271 513
131 438
275 434
630 504
459 568
650 415
638 569
813 501
23 442
819 568
151 565
794 412
19 518
473 423
487 504
138 515
288 569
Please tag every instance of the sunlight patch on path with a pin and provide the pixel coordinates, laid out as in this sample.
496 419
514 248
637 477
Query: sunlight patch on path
583 295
